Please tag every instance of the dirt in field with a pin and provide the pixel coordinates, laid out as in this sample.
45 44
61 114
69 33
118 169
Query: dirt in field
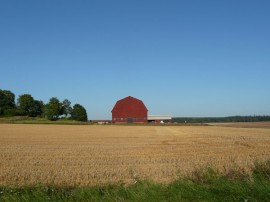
95 155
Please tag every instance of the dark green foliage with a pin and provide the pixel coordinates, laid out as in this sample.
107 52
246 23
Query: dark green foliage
67 109
40 120
79 113
30 107
38 108
2 102
220 119
7 101
262 170
53 109
11 112
25 103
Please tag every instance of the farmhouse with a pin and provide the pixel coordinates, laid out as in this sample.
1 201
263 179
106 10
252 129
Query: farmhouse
129 110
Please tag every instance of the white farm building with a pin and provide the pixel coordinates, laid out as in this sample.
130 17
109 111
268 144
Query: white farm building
159 119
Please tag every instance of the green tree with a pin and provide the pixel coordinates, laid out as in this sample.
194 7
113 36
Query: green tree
38 108
79 113
7 101
28 106
25 103
67 109
2 102
53 109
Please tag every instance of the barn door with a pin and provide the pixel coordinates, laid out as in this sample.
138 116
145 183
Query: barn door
130 120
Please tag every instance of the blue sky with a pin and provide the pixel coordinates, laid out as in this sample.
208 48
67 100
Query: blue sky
182 58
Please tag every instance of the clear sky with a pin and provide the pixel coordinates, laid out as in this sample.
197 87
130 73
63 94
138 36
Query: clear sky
182 58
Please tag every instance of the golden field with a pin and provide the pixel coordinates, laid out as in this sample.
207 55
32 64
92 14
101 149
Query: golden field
81 155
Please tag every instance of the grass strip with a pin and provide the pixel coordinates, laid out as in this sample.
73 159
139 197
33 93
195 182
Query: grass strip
206 185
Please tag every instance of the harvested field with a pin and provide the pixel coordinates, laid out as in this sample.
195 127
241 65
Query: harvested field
265 124
84 155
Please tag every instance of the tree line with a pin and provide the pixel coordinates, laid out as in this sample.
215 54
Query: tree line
220 119
26 105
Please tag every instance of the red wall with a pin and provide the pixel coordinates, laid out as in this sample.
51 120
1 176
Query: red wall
129 107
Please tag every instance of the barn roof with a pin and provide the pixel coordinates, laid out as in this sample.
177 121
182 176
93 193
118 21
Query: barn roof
128 102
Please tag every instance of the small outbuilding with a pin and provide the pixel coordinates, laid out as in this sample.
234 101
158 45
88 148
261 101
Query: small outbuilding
159 119
129 110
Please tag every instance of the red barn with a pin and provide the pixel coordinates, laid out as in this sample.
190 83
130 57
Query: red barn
129 110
